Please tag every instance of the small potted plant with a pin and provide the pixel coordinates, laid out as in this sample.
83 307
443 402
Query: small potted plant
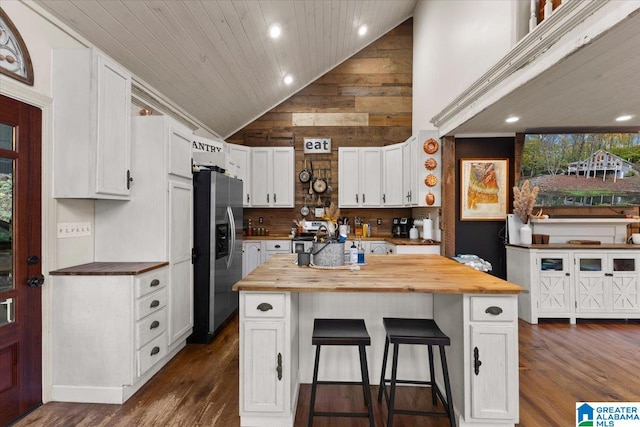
523 201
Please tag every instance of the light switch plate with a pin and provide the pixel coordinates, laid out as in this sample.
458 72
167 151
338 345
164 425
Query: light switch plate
73 229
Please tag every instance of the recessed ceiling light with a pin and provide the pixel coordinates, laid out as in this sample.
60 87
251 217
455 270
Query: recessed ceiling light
274 31
362 30
624 118
288 79
512 119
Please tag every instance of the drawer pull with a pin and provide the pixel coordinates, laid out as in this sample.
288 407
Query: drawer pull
154 324
265 306
154 303
493 310
277 246
154 283
155 350
279 367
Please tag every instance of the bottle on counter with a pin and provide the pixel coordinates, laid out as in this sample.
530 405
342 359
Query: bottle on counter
413 233
360 253
353 253
249 228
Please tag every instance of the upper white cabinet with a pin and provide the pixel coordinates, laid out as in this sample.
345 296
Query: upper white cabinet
238 162
156 224
272 170
360 177
92 112
392 178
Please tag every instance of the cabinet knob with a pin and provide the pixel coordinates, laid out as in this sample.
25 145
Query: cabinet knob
494 310
154 324
265 306
154 303
155 350
154 283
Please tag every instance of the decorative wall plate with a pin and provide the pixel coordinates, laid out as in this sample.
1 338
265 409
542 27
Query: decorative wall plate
430 164
431 180
430 146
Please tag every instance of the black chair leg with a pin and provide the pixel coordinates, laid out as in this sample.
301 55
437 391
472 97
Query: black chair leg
384 368
432 373
447 386
366 386
314 384
394 372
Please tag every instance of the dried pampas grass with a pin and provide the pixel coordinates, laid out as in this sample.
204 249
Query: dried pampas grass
523 201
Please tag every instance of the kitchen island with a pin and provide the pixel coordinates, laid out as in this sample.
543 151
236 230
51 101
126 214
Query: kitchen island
279 300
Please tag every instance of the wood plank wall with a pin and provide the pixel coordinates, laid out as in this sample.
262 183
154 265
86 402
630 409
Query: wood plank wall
365 101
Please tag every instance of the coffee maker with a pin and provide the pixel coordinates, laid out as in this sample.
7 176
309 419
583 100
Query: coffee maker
401 227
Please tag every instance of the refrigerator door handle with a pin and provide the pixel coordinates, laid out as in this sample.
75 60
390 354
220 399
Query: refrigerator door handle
232 231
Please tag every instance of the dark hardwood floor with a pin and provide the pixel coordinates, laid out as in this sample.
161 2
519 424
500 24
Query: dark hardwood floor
560 364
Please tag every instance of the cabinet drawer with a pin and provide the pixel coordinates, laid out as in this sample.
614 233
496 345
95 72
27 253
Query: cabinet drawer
152 281
151 303
151 354
277 245
503 308
150 327
271 305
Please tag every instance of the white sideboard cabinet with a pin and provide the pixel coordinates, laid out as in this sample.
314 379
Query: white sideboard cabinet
91 126
599 282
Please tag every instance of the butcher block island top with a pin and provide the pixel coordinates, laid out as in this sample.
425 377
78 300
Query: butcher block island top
381 273
109 269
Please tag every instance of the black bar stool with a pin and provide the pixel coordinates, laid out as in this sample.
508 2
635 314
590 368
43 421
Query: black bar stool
341 332
415 332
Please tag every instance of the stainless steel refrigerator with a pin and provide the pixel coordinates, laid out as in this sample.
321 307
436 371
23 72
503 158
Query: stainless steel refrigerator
217 251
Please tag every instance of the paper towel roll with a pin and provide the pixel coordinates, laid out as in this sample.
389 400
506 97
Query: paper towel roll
427 228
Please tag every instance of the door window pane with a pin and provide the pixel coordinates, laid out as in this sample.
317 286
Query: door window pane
6 311
6 220
590 264
624 264
6 137
551 264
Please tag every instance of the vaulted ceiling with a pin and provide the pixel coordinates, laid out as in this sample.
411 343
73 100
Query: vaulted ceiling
215 59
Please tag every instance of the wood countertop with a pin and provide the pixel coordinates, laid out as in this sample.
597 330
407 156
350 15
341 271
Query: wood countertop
393 240
381 273
109 269
552 246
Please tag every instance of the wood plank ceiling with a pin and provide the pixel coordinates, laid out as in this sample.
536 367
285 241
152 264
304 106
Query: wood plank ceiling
215 59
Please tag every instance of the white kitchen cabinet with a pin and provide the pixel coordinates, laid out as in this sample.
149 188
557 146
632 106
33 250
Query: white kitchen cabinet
272 247
360 180
156 224
272 173
393 193
110 334
251 255
494 359
238 164
575 283
255 252
269 357
91 125
410 172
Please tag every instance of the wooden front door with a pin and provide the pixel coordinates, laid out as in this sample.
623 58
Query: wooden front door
20 252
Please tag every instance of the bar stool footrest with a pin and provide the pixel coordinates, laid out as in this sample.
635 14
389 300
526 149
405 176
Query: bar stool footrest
339 382
342 414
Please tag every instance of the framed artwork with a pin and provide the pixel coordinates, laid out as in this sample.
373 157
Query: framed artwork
484 188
